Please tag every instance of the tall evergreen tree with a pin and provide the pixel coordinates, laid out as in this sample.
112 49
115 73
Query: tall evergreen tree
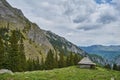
61 60
16 56
42 64
76 59
107 66
49 63
29 65
21 54
4 46
56 61
13 53
1 52
115 66
37 64
118 67
71 59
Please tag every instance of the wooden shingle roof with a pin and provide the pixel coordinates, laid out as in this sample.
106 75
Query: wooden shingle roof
86 61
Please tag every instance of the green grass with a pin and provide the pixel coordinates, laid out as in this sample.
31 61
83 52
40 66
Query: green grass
70 73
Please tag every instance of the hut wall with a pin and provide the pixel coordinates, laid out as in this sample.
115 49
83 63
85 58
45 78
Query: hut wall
85 66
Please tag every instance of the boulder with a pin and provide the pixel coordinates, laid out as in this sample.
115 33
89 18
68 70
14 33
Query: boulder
3 71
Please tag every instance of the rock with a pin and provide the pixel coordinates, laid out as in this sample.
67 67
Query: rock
45 40
3 71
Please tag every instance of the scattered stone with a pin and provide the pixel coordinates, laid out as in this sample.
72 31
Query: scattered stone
112 78
3 71
27 77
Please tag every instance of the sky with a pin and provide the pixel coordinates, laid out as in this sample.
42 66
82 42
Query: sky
82 22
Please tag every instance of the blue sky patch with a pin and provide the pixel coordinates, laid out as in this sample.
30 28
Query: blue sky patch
103 1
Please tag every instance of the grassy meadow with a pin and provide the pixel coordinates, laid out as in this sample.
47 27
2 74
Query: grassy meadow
69 73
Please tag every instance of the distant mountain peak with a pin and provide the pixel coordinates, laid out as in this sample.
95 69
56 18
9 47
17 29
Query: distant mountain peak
108 52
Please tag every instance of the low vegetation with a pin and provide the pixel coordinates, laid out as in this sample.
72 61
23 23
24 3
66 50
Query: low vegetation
69 73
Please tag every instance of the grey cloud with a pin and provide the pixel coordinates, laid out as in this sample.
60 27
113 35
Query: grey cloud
87 27
79 18
106 19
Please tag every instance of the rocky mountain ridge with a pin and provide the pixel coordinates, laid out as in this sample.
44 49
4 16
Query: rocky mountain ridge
36 39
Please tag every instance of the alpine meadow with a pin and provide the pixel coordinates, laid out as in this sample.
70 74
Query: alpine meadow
59 40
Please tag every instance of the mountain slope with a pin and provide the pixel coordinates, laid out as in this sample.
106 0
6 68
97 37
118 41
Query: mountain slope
36 40
97 59
117 60
108 52
63 45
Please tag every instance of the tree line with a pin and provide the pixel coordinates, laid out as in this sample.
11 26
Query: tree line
53 60
112 67
12 54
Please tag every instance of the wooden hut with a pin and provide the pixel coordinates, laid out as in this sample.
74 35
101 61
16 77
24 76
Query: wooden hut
86 63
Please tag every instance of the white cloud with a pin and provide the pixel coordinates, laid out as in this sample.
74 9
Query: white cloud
83 22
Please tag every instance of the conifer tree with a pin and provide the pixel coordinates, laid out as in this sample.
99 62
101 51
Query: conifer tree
29 65
37 64
114 66
76 59
6 52
56 61
16 56
71 59
13 53
21 54
68 61
61 60
118 67
107 66
1 53
42 64
49 63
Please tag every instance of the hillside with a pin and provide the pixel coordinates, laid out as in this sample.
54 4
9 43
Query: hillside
108 52
63 45
117 60
70 73
97 59
36 40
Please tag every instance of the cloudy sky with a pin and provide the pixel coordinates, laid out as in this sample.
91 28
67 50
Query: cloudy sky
83 22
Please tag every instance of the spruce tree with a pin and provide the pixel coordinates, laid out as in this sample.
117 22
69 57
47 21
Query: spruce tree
61 60
71 59
114 66
76 59
16 56
56 60
1 52
108 66
68 61
13 53
42 64
21 54
37 64
29 65
118 67
49 63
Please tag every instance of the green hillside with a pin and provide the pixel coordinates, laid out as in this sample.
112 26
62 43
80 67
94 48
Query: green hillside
69 73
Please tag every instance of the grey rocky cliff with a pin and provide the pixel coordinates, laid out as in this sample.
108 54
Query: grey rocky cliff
63 44
31 31
37 35
9 13
16 17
